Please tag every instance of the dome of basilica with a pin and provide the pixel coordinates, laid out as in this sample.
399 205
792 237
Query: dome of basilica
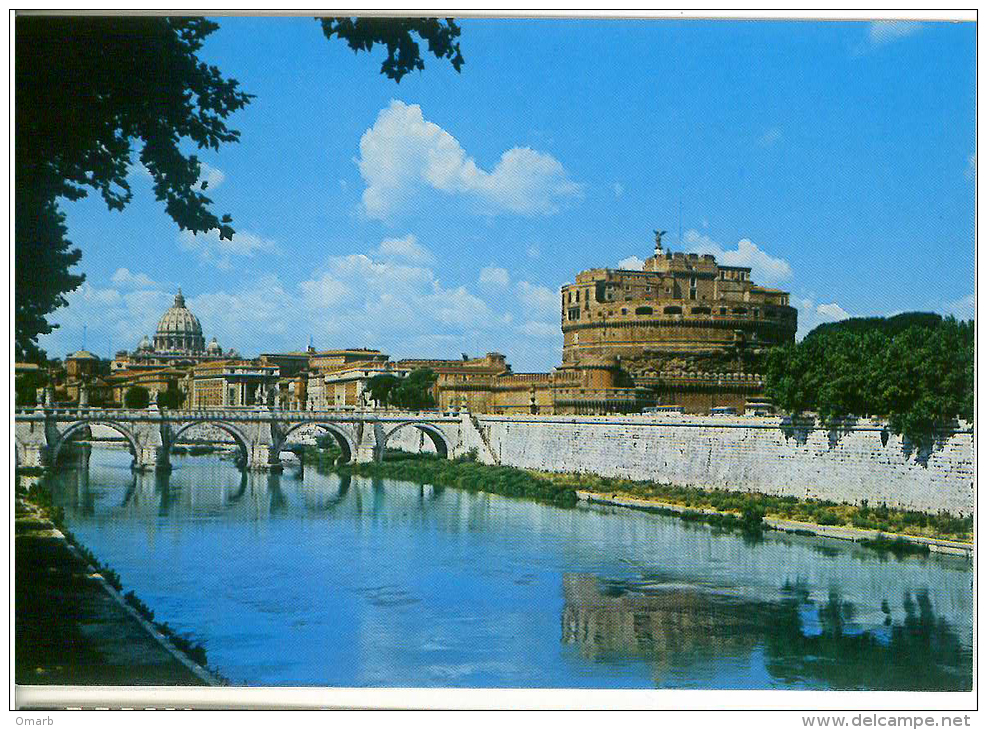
179 330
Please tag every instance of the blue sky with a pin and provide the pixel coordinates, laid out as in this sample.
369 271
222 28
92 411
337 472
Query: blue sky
440 215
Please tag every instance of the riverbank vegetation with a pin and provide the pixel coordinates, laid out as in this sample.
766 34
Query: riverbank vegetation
40 498
916 370
729 509
819 512
467 474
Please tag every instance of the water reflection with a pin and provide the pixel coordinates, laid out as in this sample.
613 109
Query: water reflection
668 625
345 581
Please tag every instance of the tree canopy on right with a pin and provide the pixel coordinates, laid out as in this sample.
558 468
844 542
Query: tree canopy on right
916 370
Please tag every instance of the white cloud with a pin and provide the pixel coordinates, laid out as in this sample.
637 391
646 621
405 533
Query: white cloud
124 278
631 263
323 290
115 320
971 167
618 189
210 177
403 152
533 252
771 137
541 330
219 252
881 32
765 269
811 314
494 276
832 310
354 300
962 308
539 302
406 248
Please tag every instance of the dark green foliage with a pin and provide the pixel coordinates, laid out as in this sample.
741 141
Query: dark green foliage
173 397
138 605
414 392
88 87
26 388
752 517
469 475
916 371
380 387
897 546
887 325
403 54
136 397
748 505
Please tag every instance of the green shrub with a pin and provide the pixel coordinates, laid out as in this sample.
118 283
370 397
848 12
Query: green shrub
136 397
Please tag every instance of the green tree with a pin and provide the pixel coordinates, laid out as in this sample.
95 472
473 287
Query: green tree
136 397
88 88
172 397
397 34
920 377
380 387
414 392
26 388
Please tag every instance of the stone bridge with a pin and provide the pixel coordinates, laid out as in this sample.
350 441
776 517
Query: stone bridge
260 433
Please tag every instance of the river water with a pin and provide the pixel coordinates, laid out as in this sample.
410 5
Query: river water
322 580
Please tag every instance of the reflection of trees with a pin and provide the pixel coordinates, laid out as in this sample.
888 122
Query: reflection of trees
804 644
920 653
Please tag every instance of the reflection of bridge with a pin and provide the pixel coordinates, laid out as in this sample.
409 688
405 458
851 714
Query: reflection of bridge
259 433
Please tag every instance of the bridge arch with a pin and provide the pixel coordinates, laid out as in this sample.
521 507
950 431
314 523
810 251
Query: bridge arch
63 436
343 439
439 439
238 436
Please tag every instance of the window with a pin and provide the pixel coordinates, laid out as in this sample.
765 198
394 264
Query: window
740 310
644 310
673 310
692 294
700 310
577 295
623 311
723 310
692 281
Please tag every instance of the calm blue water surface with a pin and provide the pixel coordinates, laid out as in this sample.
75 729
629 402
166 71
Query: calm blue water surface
324 580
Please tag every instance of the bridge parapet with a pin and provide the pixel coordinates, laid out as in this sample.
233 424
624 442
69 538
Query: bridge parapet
259 432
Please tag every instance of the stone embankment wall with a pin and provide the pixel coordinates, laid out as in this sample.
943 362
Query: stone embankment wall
862 461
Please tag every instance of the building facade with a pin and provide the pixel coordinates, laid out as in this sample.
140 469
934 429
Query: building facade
233 384
684 330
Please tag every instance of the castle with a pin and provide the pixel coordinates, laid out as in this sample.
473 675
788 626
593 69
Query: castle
684 328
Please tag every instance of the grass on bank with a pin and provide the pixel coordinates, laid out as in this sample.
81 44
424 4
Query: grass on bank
820 512
40 497
744 510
